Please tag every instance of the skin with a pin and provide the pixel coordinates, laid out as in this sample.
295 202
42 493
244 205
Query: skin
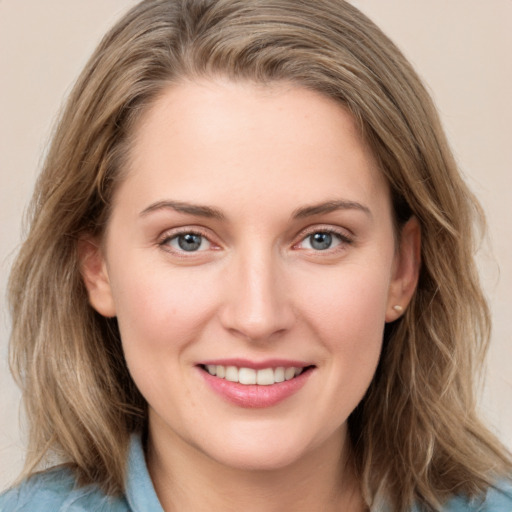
257 288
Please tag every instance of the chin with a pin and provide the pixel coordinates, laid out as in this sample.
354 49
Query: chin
259 460
262 453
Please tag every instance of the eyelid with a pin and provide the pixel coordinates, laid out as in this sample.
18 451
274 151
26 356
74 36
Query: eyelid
326 228
166 236
345 235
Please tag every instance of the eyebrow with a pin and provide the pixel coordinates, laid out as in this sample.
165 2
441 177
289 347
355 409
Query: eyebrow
328 207
214 213
182 207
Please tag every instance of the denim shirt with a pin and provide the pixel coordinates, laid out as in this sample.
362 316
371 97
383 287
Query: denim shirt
55 491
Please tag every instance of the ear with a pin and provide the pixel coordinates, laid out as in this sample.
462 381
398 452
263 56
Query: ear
95 276
406 270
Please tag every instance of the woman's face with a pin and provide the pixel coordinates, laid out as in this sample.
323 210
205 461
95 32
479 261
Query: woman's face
252 239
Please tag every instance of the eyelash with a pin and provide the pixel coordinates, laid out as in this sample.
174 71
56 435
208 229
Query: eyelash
167 237
342 236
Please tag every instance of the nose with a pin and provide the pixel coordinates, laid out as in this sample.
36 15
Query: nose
257 305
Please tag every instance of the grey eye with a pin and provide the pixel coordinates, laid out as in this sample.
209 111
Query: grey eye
188 242
320 241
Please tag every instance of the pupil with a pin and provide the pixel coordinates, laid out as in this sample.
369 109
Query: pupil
189 242
321 241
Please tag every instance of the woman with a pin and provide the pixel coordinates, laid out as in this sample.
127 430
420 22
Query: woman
249 278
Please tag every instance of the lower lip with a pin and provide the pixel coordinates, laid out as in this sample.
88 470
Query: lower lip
254 396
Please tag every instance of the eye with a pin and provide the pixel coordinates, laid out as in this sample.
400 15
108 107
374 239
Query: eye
323 240
188 242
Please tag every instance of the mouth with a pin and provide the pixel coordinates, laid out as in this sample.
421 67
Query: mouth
250 376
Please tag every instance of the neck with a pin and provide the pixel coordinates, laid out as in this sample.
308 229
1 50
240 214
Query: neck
187 479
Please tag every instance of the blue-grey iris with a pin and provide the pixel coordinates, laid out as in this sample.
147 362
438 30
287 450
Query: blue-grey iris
190 242
321 241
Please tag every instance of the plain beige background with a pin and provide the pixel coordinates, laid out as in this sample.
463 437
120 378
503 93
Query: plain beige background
461 48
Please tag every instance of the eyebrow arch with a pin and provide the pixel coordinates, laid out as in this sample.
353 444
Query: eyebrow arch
328 207
182 207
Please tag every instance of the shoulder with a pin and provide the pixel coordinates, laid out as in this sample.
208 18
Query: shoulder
56 491
497 499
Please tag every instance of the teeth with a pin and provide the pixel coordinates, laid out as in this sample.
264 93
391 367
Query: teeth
289 373
279 374
232 374
265 377
249 376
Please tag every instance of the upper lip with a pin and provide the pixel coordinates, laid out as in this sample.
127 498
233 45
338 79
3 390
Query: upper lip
256 365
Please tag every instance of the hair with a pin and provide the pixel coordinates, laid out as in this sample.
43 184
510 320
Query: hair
416 436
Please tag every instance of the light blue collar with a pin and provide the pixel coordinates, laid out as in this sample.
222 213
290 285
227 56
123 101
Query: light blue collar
140 492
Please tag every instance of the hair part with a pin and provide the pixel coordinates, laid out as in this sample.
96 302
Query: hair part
416 435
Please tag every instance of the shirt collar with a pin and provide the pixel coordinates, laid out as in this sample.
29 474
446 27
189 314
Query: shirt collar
140 492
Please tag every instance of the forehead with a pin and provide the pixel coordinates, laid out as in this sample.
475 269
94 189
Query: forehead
220 137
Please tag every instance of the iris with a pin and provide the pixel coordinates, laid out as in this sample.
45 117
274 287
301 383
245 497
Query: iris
190 241
320 241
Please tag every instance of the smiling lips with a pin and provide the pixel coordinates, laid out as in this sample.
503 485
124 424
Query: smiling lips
255 387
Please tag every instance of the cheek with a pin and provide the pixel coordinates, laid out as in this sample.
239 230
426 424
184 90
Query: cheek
160 310
347 314
356 333
160 313
352 300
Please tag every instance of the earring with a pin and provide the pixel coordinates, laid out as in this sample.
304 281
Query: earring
398 308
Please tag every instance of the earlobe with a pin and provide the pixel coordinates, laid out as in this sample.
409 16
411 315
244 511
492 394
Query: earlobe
406 270
95 276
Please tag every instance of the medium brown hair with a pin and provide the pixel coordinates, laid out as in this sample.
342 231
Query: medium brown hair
415 435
